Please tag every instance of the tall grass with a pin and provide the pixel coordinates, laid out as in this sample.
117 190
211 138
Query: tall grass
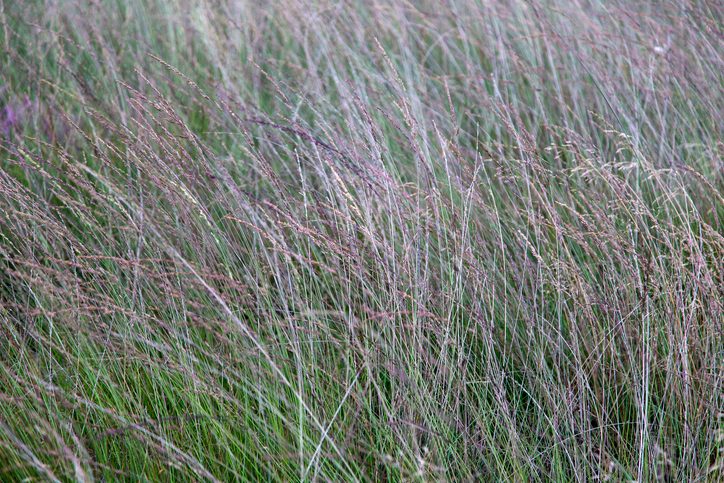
361 240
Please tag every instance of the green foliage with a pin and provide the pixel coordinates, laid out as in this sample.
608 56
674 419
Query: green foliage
288 241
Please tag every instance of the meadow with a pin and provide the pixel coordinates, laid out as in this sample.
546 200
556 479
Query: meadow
384 240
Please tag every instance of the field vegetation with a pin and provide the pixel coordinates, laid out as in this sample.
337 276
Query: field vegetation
468 240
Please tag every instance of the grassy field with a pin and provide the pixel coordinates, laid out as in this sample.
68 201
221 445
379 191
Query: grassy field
361 240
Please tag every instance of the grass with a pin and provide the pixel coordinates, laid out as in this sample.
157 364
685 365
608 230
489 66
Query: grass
343 241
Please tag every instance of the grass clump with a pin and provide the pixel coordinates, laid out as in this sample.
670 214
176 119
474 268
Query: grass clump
360 241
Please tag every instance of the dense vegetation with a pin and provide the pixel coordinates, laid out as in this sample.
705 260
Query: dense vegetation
361 240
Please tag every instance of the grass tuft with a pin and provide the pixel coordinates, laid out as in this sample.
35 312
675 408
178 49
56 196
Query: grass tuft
342 241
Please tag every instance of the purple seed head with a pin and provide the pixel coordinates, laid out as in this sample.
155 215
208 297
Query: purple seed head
16 112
